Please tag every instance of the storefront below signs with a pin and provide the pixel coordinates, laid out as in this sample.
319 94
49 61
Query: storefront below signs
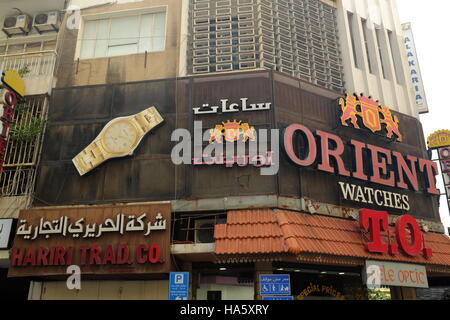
110 252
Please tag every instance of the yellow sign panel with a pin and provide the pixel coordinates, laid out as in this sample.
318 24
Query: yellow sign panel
439 139
14 81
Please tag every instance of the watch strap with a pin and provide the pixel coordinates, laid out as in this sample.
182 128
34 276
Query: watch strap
89 158
148 119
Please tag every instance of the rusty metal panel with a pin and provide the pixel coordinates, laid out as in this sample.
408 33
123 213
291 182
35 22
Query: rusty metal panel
150 174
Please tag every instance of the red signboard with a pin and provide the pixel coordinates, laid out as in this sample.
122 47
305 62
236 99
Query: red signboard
369 162
409 238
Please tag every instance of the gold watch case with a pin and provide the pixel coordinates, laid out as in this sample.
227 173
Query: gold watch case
119 138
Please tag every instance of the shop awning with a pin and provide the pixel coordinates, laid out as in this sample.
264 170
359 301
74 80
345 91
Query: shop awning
267 231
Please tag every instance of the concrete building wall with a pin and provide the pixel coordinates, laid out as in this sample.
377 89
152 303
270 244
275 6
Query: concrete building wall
386 77
75 71
103 290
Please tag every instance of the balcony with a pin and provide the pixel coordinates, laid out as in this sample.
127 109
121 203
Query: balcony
37 67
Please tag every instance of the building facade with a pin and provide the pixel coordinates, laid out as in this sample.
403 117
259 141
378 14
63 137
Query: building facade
28 45
136 178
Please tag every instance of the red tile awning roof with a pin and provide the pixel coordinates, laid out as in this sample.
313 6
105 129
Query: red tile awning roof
267 231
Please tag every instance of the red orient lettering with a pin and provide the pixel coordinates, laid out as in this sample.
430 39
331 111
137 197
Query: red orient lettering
374 222
325 165
444 153
445 165
17 256
413 248
10 98
359 160
431 171
411 172
378 165
8 113
5 129
289 145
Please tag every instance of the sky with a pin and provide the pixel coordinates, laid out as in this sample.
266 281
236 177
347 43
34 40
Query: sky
428 19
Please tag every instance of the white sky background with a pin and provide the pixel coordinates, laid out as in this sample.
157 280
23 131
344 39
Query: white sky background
429 25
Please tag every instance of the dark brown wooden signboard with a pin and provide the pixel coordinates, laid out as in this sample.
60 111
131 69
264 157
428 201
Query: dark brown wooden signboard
101 240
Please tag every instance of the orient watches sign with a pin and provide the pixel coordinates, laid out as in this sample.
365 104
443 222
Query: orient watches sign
119 138
104 240
408 237
368 162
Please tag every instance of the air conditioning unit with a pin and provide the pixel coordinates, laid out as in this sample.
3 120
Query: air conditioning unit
17 25
204 230
46 21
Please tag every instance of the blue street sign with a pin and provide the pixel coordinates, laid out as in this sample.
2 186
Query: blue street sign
279 298
274 284
179 286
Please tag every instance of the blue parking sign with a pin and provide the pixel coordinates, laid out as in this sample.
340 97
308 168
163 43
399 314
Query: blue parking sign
275 284
179 286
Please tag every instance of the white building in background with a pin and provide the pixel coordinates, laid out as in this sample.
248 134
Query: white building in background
374 55
354 46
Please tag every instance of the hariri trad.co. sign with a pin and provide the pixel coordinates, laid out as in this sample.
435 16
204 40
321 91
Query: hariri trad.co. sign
101 240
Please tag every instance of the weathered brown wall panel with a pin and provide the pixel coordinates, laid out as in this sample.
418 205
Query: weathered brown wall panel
150 174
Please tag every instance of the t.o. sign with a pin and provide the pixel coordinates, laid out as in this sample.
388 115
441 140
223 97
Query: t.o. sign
410 243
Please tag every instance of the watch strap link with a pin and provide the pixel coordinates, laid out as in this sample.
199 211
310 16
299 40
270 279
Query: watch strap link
89 158
148 119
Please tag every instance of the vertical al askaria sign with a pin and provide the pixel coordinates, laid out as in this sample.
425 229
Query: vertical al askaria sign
12 89
414 69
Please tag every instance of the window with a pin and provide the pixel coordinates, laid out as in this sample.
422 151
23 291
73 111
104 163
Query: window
22 152
123 35
380 52
366 44
398 72
352 38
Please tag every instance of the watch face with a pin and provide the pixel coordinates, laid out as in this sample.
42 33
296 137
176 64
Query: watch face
120 137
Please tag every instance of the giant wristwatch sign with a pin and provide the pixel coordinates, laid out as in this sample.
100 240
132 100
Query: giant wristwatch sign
119 138
104 240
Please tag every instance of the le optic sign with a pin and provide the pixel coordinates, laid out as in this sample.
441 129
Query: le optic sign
409 243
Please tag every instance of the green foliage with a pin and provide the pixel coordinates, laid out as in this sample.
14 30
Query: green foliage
379 294
24 71
29 131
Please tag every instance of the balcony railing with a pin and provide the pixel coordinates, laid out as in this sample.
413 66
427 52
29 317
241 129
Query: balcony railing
40 63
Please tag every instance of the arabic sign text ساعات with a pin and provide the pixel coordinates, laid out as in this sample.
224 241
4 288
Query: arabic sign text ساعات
103 240
226 107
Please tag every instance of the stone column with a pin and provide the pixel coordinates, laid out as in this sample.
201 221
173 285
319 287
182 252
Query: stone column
261 267
401 293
